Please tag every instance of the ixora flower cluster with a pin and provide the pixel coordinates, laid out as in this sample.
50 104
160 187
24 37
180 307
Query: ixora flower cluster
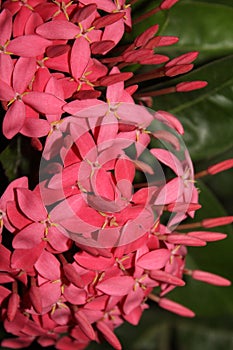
100 234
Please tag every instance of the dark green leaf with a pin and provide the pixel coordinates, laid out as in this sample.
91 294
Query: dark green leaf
220 2
201 26
206 114
198 337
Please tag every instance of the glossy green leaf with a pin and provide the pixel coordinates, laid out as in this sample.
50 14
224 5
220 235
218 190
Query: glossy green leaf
216 257
205 27
206 114
220 2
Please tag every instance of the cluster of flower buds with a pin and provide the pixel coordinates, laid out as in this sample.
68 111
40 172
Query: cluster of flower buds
82 252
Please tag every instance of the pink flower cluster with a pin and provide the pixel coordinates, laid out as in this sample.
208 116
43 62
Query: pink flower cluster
82 252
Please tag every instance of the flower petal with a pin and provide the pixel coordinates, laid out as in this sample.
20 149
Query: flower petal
24 71
58 30
31 205
14 119
28 45
154 260
80 55
116 286
44 102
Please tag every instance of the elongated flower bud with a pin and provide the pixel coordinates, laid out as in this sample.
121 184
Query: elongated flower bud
210 278
175 307
13 305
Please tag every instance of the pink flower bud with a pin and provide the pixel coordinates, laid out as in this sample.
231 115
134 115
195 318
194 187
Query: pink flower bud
185 240
224 220
208 236
226 164
35 297
108 335
85 325
13 305
190 86
179 69
72 275
210 278
167 4
175 307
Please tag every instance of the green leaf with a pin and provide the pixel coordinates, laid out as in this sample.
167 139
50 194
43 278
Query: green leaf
205 27
206 114
10 160
220 2
196 337
216 257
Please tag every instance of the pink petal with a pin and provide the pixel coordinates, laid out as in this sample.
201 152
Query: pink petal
29 237
16 218
4 293
103 185
114 31
133 300
31 205
80 55
28 45
32 23
60 63
14 119
48 266
6 69
6 91
44 102
17 343
104 21
108 335
168 159
24 259
24 71
74 295
35 127
57 239
94 263
58 30
124 169
20 21
134 316
54 87
134 114
51 294
5 26
102 47
61 316
87 108
84 12
85 325
170 120
116 286
154 260
170 193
